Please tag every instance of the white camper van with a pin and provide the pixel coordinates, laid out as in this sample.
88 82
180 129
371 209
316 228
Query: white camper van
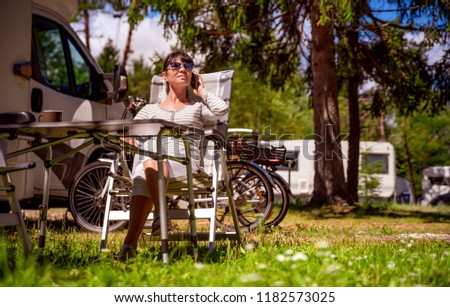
301 175
435 182
45 66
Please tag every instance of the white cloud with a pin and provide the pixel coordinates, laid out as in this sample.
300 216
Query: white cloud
434 54
146 40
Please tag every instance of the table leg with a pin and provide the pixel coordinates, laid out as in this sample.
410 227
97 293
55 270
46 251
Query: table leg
45 199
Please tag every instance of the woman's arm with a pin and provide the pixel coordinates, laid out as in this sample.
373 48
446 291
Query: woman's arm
213 107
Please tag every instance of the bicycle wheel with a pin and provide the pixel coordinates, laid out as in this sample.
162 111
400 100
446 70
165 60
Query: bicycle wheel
252 193
281 201
86 202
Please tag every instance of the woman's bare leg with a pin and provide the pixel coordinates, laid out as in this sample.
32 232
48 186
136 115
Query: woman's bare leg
140 208
151 174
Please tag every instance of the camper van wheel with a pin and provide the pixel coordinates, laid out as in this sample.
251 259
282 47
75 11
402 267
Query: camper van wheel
86 201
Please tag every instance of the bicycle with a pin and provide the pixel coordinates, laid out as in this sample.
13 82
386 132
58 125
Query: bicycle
244 145
88 191
282 191
253 195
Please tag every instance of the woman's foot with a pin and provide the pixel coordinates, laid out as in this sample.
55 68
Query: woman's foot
127 252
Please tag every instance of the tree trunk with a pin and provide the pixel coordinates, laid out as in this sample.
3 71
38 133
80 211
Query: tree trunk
353 110
382 129
87 33
353 139
329 180
408 162
127 50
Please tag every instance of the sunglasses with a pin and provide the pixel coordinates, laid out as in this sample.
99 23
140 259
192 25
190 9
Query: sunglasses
177 65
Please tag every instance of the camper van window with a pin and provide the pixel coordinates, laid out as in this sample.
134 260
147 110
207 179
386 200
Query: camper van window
50 55
439 180
81 72
377 162
291 156
60 63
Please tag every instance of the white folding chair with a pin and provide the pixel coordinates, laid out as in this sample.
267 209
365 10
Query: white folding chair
205 185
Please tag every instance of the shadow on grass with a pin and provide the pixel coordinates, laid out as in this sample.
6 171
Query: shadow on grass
383 210
428 216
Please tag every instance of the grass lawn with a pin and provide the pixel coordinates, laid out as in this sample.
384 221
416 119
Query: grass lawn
385 245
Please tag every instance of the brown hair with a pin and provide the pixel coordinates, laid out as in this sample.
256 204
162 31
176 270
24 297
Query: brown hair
186 58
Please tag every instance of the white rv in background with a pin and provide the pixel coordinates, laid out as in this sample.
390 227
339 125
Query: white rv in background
301 175
45 66
435 182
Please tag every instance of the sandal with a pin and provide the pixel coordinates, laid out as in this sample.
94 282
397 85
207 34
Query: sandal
127 252
156 226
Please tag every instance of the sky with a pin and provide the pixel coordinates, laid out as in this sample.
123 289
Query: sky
146 40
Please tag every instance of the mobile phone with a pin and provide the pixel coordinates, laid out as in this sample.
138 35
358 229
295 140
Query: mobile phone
194 81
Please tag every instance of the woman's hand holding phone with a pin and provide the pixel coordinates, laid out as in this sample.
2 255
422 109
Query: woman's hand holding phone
197 84
194 81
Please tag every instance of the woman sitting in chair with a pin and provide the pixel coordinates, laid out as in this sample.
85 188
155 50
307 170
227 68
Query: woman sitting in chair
181 109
